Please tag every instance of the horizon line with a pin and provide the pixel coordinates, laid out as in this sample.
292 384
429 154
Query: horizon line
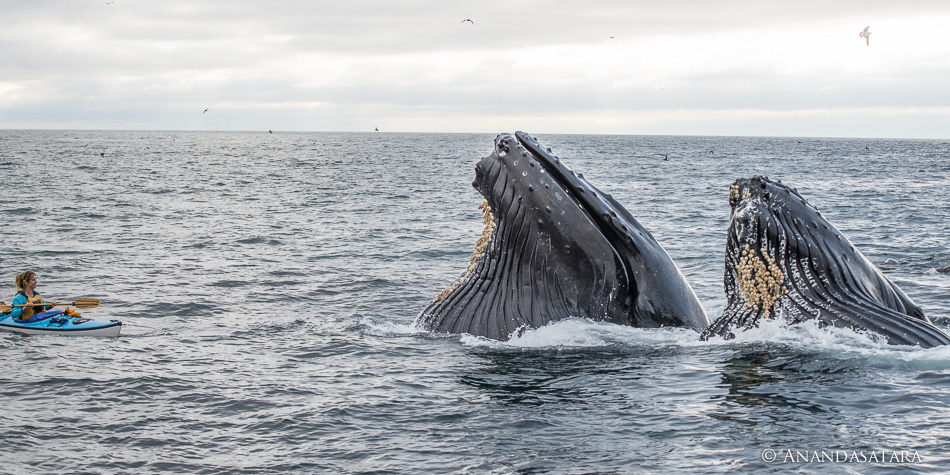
297 131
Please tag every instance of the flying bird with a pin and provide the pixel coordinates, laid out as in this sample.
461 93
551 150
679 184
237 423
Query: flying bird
866 35
468 20
206 110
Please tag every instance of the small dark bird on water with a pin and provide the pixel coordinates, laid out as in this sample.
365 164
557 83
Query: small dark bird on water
102 154
665 156
468 20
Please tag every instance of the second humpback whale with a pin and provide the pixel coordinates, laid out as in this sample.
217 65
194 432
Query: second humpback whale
785 260
555 247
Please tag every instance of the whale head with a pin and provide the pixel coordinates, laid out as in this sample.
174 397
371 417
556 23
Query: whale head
555 247
785 260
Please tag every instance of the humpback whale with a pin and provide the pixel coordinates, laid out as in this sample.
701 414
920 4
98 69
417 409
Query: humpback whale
555 247
785 260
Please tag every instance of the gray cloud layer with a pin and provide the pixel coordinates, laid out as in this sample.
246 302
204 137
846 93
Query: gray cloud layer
691 67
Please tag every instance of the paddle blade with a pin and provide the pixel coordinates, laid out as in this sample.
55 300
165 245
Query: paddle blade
86 303
6 308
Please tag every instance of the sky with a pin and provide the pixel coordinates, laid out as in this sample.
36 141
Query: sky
675 67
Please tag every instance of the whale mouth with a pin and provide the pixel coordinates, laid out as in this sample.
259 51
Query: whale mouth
785 260
521 179
548 183
555 247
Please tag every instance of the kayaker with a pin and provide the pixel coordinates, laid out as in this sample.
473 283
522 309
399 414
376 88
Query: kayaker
26 293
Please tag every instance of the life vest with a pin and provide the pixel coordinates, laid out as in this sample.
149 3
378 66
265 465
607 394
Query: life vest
29 311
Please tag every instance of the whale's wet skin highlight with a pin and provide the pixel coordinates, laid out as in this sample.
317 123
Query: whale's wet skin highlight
267 285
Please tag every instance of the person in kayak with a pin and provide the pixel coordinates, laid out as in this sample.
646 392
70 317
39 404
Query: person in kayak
26 293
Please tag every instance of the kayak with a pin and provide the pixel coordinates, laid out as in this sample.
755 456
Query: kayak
58 323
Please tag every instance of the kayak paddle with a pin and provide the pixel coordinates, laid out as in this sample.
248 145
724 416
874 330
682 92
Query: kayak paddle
79 303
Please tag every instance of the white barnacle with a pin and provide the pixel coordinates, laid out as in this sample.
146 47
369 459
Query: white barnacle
760 281
481 247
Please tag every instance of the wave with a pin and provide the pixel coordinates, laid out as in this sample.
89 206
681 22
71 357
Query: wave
583 333
832 346
840 344
379 326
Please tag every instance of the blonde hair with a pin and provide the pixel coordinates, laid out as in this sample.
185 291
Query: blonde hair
23 277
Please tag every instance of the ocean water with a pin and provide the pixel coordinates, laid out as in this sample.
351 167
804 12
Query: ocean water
268 285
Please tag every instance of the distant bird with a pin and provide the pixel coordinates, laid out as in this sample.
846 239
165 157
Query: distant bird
468 20
866 35
108 3
269 130
102 154
377 129
206 110
866 147
665 156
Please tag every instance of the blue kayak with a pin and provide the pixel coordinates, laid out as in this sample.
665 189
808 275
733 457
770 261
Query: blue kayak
58 323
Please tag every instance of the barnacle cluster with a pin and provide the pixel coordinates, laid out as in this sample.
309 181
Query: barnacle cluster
480 247
736 195
734 192
760 281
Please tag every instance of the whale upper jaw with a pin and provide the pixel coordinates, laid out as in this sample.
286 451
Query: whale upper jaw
663 295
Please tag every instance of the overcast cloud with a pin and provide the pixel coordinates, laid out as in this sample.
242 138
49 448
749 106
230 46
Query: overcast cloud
689 67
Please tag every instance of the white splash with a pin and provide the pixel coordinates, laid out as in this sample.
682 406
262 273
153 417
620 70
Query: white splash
840 343
808 337
583 333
